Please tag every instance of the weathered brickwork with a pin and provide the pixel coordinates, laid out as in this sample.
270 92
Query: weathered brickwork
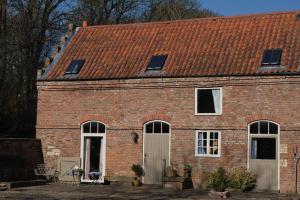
125 105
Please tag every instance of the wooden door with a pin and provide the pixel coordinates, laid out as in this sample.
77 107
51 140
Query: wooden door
156 150
263 160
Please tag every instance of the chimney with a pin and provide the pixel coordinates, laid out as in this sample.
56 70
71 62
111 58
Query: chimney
84 24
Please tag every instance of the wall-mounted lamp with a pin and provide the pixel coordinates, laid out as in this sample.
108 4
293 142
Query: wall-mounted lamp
134 137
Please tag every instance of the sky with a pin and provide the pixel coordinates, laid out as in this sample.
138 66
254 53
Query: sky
240 7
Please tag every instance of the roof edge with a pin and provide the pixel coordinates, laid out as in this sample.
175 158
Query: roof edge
162 77
193 19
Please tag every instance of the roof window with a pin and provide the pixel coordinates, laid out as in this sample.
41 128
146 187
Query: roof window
271 57
75 66
157 62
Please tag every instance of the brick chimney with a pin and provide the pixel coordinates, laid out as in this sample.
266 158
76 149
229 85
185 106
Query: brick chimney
84 24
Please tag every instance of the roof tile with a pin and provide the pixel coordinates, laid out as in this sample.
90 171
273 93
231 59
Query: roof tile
195 47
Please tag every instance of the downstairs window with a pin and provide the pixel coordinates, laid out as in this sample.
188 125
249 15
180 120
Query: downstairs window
208 143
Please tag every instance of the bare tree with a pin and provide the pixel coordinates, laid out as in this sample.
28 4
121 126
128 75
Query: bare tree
104 11
160 10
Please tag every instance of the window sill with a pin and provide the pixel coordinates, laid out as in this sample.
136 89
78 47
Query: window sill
207 156
208 114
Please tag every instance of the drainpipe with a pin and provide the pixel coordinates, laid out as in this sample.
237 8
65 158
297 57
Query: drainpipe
296 160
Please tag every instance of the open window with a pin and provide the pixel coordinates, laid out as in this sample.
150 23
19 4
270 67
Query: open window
208 101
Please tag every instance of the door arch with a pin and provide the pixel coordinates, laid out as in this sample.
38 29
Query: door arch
156 150
263 153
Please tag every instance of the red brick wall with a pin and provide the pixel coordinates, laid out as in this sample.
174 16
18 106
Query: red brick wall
124 105
18 158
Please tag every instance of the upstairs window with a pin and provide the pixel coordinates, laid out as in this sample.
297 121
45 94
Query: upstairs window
157 62
75 66
208 101
271 57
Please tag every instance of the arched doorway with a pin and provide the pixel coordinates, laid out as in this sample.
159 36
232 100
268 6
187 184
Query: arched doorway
263 153
93 147
156 147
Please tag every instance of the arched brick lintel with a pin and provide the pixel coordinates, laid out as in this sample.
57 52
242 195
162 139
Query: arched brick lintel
94 117
258 117
158 116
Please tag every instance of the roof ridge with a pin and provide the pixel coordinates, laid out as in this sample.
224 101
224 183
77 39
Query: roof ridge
193 19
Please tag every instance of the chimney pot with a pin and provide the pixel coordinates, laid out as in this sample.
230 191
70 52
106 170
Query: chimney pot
84 24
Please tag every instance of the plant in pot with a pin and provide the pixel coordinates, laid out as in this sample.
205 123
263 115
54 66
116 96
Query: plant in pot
139 172
241 179
217 182
187 170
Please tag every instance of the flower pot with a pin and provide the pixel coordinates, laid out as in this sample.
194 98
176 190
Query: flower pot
136 182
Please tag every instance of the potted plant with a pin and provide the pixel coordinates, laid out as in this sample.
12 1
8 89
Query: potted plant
241 179
139 172
217 182
187 170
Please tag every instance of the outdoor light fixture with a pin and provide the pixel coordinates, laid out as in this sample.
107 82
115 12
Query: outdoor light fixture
134 137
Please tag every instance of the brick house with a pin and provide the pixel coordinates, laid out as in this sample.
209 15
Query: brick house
221 91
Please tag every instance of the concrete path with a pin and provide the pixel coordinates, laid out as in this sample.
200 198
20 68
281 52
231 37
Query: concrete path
118 191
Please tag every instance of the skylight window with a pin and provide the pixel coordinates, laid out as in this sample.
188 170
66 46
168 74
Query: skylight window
75 66
157 62
272 57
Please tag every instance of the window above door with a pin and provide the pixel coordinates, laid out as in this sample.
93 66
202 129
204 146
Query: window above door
263 127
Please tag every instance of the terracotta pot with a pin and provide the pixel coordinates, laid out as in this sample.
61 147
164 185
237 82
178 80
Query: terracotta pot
136 182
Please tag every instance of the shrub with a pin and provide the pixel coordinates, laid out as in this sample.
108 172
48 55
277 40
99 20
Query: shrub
138 170
241 178
217 180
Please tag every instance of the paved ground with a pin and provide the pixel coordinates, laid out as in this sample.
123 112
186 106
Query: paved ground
117 191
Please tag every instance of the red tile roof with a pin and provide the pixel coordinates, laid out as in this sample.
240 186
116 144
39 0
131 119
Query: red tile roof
195 47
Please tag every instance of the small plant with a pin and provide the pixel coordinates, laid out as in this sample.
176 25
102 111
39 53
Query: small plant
138 170
241 178
187 166
217 180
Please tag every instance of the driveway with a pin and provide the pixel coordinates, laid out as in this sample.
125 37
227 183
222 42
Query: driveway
117 191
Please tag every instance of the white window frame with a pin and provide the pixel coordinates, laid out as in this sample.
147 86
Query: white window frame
221 100
208 138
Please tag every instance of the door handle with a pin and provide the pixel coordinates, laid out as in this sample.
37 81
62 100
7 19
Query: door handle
145 156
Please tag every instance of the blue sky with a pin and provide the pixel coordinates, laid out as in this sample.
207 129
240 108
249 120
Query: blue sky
239 7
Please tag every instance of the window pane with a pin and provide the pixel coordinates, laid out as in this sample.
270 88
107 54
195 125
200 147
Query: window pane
202 150
165 128
93 127
273 128
263 148
254 128
149 128
205 101
101 128
86 128
157 127
202 135
263 125
157 62
216 135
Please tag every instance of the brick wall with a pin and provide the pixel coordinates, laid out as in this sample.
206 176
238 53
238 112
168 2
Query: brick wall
18 158
125 105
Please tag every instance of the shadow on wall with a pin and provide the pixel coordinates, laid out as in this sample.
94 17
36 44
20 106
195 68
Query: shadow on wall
18 158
